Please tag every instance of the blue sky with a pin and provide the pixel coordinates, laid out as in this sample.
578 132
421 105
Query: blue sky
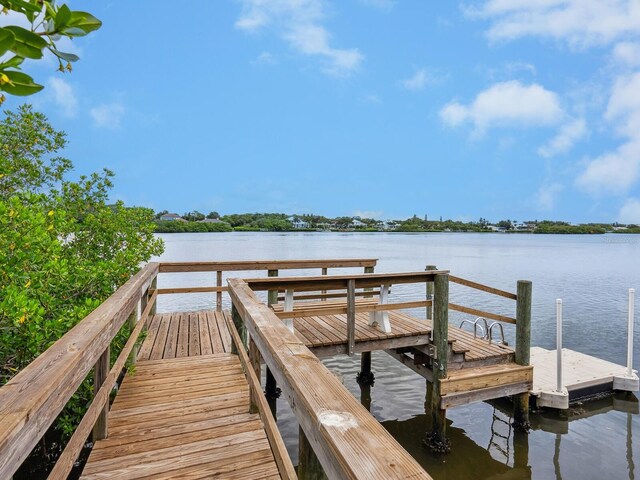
501 109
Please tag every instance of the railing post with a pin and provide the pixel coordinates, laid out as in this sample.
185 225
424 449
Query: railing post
325 271
429 311
559 345
632 294
366 377
219 294
100 372
523 349
240 326
437 439
351 316
271 387
133 319
152 288
309 467
254 359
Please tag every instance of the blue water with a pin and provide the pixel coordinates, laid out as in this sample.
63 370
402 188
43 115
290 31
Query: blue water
592 275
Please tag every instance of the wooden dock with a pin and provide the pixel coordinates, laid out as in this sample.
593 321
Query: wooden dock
193 406
185 410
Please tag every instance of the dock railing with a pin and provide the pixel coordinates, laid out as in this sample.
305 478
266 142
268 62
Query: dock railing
337 431
31 401
272 267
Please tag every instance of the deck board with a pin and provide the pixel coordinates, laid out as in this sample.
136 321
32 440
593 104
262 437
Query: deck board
184 411
326 334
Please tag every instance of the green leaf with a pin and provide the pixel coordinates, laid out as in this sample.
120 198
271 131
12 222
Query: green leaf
62 17
13 62
6 40
26 6
69 57
84 21
27 44
21 84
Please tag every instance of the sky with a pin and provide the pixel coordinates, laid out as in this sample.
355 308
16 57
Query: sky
502 109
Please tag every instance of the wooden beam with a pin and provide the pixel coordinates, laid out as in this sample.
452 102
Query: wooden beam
335 282
482 313
348 441
168 291
31 401
343 309
219 293
167 267
484 288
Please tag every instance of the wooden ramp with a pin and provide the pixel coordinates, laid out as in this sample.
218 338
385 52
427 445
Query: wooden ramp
184 413
582 374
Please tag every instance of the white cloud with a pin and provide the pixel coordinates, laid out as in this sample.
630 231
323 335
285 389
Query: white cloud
421 79
627 53
108 115
63 96
630 212
299 22
568 135
506 103
546 195
580 23
617 171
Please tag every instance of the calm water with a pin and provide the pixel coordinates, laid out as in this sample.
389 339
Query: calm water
590 273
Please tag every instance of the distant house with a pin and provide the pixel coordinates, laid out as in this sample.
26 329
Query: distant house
211 220
171 216
495 228
297 222
355 223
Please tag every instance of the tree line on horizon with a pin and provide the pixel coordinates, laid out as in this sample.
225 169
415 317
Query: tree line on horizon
195 221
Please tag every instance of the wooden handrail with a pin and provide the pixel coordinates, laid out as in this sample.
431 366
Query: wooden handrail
342 309
285 467
340 282
31 401
166 267
484 288
482 313
348 441
73 448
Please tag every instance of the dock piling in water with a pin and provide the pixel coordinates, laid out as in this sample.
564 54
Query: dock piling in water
523 351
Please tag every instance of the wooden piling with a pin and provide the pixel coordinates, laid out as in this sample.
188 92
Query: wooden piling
351 316
309 467
100 372
271 388
523 349
437 439
152 288
429 311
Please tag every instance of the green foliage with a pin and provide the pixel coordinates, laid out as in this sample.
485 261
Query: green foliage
194 216
565 228
176 226
63 249
213 215
48 23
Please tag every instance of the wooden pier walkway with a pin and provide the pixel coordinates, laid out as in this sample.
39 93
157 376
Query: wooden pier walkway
185 410
193 406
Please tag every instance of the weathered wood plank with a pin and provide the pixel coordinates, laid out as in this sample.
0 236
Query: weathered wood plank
367 451
265 265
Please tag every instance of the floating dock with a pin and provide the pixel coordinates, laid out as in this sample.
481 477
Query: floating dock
583 375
